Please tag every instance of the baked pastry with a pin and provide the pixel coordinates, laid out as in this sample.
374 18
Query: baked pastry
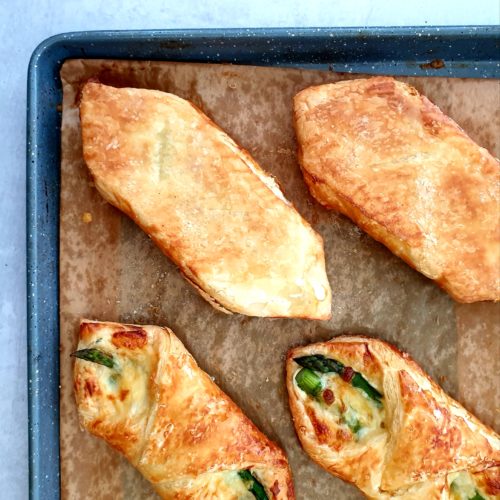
367 413
382 154
140 390
205 202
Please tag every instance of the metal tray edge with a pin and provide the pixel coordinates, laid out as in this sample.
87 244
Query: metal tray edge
43 184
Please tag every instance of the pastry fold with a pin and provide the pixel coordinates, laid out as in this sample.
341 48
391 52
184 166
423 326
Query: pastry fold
382 154
367 413
204 201
140 390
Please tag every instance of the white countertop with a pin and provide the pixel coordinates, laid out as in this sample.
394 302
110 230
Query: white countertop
23 24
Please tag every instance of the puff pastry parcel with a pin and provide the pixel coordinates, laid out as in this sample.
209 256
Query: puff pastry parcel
382 154
204 201
368 413
141 391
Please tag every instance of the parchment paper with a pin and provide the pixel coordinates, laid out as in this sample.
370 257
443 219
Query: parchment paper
110 270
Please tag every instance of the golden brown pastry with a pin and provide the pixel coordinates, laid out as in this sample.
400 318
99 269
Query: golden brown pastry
205 202
140 390
367 413
384 155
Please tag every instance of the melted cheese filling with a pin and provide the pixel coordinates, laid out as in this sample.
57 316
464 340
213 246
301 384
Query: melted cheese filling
463 487
236 485
132 377
225 485
352 407
126 389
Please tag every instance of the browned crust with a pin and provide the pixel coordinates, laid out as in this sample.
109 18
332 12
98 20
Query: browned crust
217 215
191 427
429 433
130 339
335 153
489 481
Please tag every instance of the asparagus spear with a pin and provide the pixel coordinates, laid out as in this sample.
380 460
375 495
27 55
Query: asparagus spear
95 356
361 383
309 382
454 487
321 364
253 485
477 496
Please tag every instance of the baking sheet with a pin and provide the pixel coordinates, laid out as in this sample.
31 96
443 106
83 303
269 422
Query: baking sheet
110 270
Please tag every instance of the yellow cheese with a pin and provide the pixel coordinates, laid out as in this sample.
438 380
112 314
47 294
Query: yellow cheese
463 487
353 405
212 486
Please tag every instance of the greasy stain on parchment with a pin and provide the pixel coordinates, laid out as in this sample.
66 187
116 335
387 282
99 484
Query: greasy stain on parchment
110 270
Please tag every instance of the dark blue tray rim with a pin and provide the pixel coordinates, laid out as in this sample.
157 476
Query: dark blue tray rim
298 42
281 32
43 143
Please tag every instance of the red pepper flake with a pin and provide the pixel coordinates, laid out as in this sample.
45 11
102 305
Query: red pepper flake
328 396
347 374
275 488
123 394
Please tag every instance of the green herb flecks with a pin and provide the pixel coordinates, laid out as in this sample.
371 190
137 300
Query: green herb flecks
309 382
95 356
113 379
352 421
253 485
320 363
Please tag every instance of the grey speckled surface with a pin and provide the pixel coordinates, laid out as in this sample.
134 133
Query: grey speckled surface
22 25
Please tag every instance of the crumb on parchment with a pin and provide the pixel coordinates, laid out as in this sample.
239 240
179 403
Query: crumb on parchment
87 217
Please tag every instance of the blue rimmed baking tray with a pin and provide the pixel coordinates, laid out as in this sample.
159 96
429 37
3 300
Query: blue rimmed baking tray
423 51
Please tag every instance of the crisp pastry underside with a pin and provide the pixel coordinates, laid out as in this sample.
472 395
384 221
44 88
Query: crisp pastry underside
379 464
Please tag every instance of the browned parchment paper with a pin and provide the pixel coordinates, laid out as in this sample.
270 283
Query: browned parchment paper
110 270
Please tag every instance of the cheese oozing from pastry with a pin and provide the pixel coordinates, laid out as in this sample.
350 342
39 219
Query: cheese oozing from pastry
139 389
356 409
227 485
463 487
367 413
348 406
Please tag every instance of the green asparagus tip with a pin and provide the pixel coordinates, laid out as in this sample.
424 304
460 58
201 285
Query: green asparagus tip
309 382
95 356
253 485
319 363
